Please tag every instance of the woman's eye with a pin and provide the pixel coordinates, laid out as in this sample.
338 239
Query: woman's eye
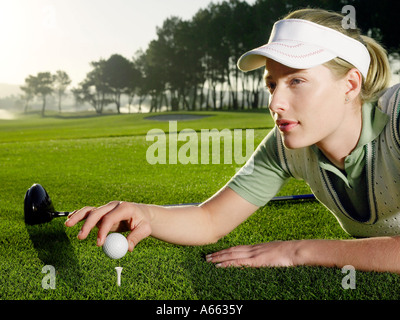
295 81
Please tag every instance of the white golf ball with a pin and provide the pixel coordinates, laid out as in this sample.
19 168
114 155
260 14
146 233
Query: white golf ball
115 246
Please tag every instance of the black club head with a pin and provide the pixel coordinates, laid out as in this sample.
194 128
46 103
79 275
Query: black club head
38 207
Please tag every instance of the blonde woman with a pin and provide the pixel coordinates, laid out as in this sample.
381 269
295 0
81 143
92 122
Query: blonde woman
337 128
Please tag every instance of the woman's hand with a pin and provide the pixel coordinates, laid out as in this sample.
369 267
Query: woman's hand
271 254
115 216
380 254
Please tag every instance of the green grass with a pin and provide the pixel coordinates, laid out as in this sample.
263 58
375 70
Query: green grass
92 160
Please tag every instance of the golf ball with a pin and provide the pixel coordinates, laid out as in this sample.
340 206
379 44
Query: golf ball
115 246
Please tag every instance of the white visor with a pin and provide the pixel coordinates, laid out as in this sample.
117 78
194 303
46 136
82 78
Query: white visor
301 44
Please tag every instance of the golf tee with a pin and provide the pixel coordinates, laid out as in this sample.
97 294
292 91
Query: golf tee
119 270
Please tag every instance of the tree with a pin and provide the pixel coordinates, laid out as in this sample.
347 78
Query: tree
189 71
380 22
61 82
140 64
41 85
156 60
118 76
44 87
218 51
134 83
28 90
94 89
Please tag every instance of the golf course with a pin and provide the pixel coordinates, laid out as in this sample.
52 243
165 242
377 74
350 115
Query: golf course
88 160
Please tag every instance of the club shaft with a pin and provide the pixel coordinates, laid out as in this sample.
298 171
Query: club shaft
279 198
294 197
60 214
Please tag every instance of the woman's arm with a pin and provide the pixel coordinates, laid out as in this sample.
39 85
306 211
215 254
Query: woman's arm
187 225
380 254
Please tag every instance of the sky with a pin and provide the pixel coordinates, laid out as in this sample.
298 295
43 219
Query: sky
50 35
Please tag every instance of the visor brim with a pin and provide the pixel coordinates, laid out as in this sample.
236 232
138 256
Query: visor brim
292 54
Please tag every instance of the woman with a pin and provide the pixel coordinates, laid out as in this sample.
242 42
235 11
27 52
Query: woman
321 78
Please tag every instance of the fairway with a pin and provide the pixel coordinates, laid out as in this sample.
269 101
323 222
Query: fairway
91 160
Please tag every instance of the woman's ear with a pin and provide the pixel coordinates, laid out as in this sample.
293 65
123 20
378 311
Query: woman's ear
353 83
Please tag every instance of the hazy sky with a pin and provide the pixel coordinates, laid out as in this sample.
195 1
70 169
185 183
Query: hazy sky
48 35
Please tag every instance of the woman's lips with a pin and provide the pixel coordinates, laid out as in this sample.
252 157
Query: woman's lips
286 125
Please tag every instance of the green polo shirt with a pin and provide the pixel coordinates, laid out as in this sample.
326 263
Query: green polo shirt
266 176
350 183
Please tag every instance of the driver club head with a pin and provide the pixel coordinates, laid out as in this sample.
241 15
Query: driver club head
38 207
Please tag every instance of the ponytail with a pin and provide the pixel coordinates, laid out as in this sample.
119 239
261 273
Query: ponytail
378 77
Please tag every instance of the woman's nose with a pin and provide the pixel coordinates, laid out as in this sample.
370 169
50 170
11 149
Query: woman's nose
277 102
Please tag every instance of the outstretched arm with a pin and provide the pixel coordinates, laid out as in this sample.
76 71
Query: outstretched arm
380 254
187 225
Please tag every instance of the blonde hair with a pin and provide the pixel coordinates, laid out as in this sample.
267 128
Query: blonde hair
378 77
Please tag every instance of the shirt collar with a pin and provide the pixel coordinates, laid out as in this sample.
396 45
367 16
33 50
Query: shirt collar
373 122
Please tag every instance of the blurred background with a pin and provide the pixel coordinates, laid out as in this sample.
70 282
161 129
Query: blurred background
138 56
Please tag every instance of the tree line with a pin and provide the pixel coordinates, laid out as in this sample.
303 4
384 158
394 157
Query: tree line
44 84
191 65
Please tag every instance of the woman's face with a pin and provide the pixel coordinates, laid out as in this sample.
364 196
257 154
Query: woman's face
308 106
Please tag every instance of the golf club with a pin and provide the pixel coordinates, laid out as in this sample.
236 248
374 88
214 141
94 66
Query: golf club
279 198
294 197
38 207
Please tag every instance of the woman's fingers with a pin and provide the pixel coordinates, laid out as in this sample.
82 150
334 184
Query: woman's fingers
78 215
91 215
271 254
114 216
94 217
235 256
140 231
123 212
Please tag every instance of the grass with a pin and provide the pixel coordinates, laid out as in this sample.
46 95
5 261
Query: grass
92 160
